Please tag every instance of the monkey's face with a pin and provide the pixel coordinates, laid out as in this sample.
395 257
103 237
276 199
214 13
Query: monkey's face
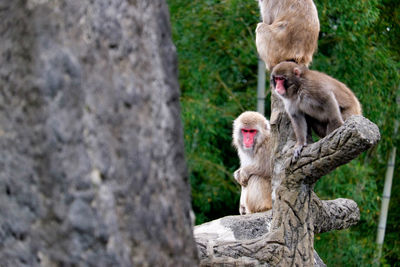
279 82
249 130
285 79
280 85
248 138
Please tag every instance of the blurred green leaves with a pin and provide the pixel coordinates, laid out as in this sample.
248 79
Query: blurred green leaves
217 75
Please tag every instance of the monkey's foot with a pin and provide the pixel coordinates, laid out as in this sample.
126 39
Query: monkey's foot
242 210
297 151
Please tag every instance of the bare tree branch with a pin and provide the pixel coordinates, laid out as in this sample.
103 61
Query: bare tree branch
340 147
335 214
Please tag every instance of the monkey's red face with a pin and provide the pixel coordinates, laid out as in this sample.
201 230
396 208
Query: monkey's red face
280 85
248 137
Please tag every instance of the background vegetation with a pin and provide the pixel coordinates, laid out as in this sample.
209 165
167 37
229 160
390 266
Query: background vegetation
358 44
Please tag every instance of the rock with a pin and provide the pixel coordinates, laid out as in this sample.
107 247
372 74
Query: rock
92 169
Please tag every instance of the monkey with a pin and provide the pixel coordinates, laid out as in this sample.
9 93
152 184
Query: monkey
289 31
312 99
251 137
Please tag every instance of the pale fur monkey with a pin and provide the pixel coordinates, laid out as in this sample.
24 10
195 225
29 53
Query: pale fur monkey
251 137
289 31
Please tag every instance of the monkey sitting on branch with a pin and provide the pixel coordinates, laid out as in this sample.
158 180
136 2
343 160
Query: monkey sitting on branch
251 137
289 31
313 100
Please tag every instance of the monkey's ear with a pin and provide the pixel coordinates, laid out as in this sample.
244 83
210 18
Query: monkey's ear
297 72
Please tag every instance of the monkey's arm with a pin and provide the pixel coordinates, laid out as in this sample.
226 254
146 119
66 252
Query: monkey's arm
300 129
243 175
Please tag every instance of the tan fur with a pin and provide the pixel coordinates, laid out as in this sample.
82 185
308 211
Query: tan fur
326 101
289 31
254 174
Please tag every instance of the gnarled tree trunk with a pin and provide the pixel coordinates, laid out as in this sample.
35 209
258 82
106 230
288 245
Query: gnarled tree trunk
297 212
92 169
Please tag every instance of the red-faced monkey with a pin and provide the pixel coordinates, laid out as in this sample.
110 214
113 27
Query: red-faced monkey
251 135
307 93
289 31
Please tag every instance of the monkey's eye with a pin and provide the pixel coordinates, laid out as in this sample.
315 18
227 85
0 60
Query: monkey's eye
253 131
245 130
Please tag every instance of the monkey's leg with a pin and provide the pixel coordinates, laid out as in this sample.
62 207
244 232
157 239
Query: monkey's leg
333 114
257 199
333 125
242 206
354 110
336 119
318 127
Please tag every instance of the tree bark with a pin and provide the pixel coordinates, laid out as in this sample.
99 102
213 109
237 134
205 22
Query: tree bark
297 212
92 169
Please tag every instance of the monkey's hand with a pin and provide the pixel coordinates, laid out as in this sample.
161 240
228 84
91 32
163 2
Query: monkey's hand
297 150
261 27
236 175
241 177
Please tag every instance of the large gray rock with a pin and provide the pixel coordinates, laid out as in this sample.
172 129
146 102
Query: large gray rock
92 169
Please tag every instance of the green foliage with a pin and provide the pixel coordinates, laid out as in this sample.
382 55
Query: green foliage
217 74
358 45
356 245
355 48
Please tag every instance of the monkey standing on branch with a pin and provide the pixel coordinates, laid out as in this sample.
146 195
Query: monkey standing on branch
289 31
251 135
306 93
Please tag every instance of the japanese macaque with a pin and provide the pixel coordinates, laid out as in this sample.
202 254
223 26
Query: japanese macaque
289 31
312 99
251 135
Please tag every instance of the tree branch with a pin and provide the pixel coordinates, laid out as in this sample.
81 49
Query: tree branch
335 214
340 147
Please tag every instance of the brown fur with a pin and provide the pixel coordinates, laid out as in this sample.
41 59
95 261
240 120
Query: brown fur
289 31
325 100
254 174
